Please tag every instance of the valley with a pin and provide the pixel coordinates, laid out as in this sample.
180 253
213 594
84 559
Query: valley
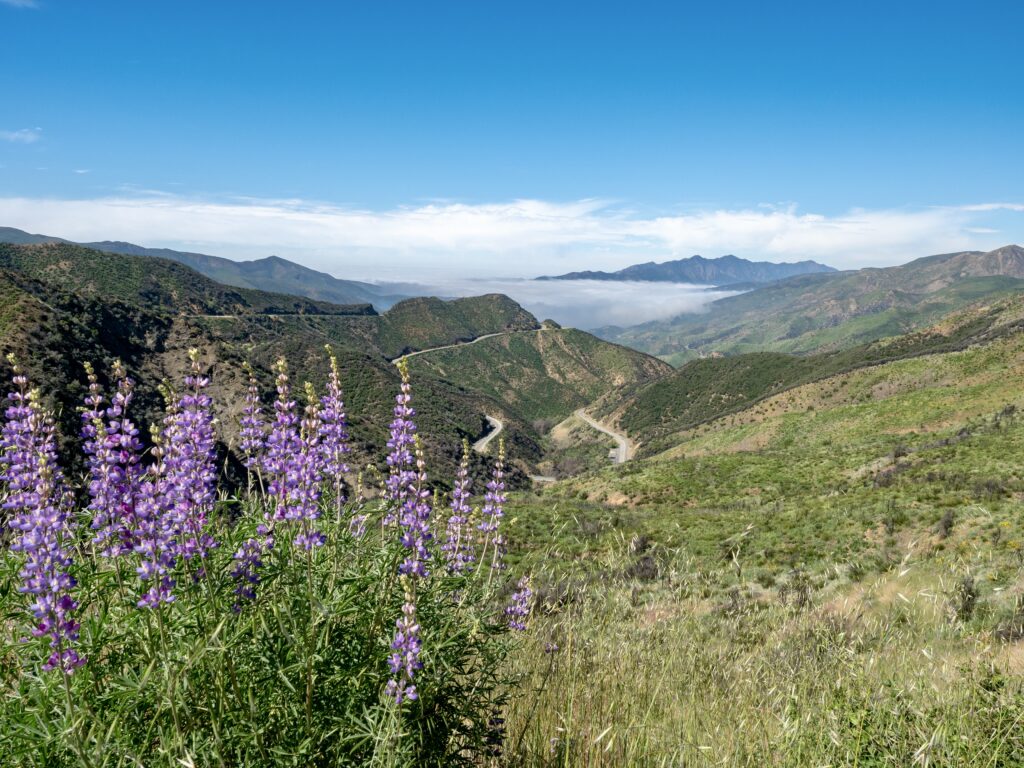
850 504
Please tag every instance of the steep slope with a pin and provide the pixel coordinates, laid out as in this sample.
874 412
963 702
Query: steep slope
725 270
542 375
272 274
59 312
820 312
703 390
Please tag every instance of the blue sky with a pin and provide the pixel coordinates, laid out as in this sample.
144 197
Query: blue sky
399 138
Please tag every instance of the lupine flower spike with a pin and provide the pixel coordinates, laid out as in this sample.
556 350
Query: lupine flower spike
190 463
252 425
457 547
305 504
113 448
493 509
518 610
401 477
406 490
155 530
40 505
334 434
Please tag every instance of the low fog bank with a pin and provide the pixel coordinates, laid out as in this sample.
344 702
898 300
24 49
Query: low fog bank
585 304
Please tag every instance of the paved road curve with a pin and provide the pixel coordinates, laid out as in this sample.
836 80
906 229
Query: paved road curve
496 426
623 445
453 346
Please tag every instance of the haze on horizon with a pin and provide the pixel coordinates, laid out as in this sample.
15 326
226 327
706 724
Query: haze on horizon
433 144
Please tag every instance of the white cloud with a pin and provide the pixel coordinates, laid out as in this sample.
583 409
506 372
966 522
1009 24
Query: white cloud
22 135
519 238
81 171
21 3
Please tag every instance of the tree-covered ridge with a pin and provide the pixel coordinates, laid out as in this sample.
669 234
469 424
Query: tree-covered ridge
156 283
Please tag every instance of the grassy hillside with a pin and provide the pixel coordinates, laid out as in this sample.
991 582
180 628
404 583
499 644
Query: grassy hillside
823 312
835 575
542 375
702 390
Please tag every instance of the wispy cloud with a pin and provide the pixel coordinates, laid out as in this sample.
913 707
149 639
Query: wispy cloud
20 3
81 171
516 238
22 135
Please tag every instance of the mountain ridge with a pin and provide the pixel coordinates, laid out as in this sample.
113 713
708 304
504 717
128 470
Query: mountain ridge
721 271
270 273
827 311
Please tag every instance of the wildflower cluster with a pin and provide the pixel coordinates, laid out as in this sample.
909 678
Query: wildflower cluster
196 550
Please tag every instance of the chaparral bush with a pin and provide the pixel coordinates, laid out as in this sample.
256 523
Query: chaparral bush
148 617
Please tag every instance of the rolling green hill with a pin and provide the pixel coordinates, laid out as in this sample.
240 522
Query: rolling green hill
543 375
703 390
821 312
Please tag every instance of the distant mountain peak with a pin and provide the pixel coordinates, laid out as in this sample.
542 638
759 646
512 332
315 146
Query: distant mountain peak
724 270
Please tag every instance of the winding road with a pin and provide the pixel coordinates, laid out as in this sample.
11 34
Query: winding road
496 426
622 452
623 445
407 355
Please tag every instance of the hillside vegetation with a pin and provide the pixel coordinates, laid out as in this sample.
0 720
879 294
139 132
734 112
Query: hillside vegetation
823 312
543 375
834 575
272 273
702 390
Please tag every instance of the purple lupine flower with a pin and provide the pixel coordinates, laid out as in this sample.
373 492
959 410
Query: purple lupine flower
401 477
414 521
304 506
405 489
41 507
408 498
405 659
248 561
493 509
113 448
518 609
457 547
252 423
334 434
155 542
283 447
190 479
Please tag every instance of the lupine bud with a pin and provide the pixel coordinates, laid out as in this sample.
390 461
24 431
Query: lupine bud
457 547
252 423
334 433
